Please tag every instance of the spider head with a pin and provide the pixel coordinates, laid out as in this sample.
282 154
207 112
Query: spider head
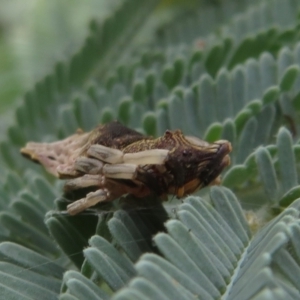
195 163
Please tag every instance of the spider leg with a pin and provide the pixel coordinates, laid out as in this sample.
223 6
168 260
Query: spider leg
91 199
57 157
146 177
134 162
88 165
147 157
66 171
111 191
108 177
120 171
114 156
84 181
106 154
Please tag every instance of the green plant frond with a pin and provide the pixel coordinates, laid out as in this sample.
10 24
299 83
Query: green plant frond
70 234
227 88
211 243
274 167
250 33
113 33
199 23
45 90
208 251
80 287
26 274
140 221
226 70
22 214
48 88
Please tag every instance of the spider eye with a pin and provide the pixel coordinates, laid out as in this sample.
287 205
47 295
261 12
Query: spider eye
185 153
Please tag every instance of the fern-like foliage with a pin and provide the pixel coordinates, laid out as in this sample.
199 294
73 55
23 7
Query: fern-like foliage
215 69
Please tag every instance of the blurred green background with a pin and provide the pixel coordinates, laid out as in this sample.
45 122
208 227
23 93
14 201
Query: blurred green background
33 36
36 34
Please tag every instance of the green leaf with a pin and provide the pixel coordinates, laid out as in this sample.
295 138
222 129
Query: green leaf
195 58
267 172
149 123
242 118
229 131
286 160
80 286
107 249
26 258
236 176
163 281
168 76
290 196
247 140
109 271
213 132
190 110
179 68
255 106
70 239
107 116
271 95
206 107
289 77
223 95
139 92
124 111
296 102
176 109
217 55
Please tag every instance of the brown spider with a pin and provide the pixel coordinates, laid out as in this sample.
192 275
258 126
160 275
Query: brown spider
115 160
